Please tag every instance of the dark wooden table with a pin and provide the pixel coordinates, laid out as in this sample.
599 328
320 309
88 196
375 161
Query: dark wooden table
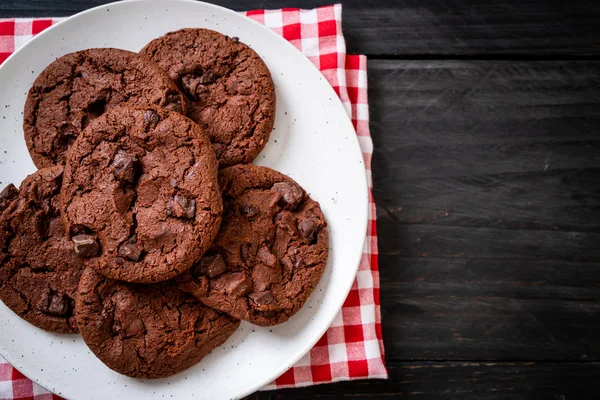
486 124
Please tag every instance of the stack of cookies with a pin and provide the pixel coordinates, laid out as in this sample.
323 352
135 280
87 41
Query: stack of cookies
146 228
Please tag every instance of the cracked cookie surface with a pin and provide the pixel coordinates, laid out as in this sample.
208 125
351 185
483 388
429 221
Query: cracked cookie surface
39 270
80 86
140 196
147 331
270 252
228 86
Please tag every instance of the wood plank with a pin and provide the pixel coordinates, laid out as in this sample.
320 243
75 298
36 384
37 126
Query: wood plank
464 380
499 104
420 240
560 200
411 28
489 309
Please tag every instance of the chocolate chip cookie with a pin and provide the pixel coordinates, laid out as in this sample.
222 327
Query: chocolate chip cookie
78 87
270 252
39 270
140 197
229 88
147 331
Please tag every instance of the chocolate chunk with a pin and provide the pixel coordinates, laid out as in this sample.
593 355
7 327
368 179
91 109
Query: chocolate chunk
263 276
58 305
124 166
107 316
188 205
211 266
130 251
274 200
116 327
235 39
265 256
245 252
237 284
181 207
151 118
307 229
173 102
215 265
291 194
208 77
249 211
262 298
294 258
85 245
268 313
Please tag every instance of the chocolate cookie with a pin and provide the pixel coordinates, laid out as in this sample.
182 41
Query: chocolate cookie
140 197
147 331
229 88
39 270
270 252
81 86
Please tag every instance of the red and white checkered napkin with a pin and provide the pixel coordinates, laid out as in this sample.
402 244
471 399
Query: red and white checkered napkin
352 348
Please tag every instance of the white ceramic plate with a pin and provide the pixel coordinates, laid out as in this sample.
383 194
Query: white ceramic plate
313 142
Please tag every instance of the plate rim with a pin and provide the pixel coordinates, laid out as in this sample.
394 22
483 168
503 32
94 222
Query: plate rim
276 372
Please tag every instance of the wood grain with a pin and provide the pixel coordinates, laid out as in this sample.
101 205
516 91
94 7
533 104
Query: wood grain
411 28
463 380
